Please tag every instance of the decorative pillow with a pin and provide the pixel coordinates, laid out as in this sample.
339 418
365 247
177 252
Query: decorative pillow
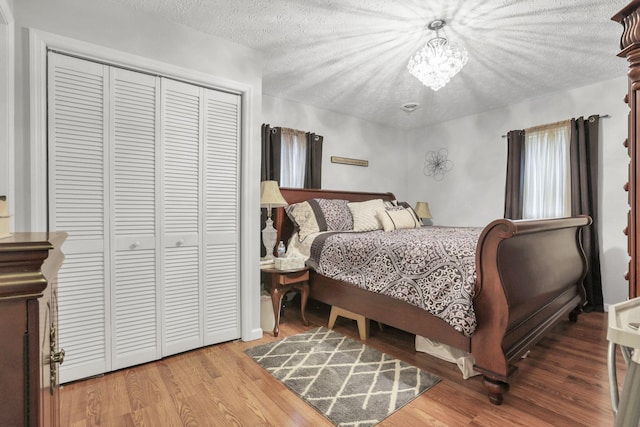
397 218
304 218
364 214
332 214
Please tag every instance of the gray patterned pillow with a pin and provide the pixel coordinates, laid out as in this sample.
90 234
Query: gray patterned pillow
332 214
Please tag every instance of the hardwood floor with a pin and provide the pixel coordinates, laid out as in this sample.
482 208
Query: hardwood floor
563 382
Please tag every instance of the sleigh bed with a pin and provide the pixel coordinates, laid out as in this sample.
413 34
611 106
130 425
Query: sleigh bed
528 277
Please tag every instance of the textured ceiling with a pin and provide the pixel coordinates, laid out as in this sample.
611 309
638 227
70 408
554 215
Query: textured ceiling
350 56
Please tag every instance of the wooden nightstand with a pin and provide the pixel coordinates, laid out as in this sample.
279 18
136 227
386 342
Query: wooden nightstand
283 281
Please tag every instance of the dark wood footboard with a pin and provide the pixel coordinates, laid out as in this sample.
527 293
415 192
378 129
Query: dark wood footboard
529 276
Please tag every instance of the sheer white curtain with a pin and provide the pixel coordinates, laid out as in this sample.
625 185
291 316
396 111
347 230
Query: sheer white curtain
293 158
547 178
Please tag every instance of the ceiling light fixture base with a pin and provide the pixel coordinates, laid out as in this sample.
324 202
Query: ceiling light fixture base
436 24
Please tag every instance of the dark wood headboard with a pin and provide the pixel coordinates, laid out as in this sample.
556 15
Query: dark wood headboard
296 195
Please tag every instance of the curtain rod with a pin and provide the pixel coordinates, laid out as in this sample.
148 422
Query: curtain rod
283 129
604 116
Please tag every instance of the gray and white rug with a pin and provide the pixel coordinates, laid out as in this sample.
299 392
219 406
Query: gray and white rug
345 380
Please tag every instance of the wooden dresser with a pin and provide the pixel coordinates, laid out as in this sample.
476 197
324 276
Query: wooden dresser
28 317
629 17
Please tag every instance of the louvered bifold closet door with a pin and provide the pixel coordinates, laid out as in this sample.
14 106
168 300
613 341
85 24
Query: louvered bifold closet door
181 148
144 176
78 191
222 205
134 292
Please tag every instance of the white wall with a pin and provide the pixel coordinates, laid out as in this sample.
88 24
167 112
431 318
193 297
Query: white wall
385 148
124 30
473 192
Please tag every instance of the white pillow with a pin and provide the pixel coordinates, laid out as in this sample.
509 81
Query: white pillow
364 214
398 218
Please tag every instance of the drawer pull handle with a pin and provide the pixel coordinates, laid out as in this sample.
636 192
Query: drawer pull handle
135 244
180 242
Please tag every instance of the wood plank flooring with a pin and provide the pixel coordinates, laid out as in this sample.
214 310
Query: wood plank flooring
563 382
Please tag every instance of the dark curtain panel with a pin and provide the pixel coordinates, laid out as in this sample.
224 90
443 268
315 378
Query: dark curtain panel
584 200
515 169
271 146
313 170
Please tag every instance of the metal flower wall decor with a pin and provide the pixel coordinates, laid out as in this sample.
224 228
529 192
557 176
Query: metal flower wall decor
436 164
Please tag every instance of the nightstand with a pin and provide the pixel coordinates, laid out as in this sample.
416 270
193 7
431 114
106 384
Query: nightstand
283 281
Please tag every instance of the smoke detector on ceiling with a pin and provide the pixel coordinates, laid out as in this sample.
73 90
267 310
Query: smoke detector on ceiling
410 107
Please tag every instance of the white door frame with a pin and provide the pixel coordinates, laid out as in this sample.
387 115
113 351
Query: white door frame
7 105
40 42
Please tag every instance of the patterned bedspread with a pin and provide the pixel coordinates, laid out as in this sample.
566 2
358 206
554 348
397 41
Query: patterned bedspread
430 267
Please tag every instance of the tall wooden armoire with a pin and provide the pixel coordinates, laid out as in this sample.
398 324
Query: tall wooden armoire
629 17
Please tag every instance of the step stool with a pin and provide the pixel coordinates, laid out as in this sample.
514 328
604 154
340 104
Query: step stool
363 322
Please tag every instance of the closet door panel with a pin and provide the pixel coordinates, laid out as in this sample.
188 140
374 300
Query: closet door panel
181 148
222 315
134 292
78 131
182 300
221 162
181 131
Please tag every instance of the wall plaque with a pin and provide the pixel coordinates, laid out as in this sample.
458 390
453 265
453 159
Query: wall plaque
348 161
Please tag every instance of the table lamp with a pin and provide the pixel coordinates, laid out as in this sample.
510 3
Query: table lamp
422 210
270 197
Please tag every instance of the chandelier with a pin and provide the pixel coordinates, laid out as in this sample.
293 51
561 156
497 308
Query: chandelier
438 60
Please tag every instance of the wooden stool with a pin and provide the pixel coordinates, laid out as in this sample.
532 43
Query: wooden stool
363 322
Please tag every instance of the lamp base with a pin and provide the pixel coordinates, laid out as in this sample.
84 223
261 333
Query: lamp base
269 237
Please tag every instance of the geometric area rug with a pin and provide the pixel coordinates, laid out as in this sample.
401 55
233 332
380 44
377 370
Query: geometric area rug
345 380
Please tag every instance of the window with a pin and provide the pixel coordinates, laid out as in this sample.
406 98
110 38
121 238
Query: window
546 176
293 157
552 171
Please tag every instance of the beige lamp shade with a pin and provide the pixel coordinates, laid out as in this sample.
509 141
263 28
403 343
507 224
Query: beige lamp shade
422 210
270 196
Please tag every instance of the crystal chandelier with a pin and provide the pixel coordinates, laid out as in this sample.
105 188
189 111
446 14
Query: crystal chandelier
438 60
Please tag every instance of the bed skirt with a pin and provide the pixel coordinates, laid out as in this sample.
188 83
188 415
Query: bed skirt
448 353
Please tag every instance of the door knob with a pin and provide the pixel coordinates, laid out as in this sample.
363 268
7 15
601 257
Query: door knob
58 357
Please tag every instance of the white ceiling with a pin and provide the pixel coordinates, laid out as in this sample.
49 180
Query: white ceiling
350 56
